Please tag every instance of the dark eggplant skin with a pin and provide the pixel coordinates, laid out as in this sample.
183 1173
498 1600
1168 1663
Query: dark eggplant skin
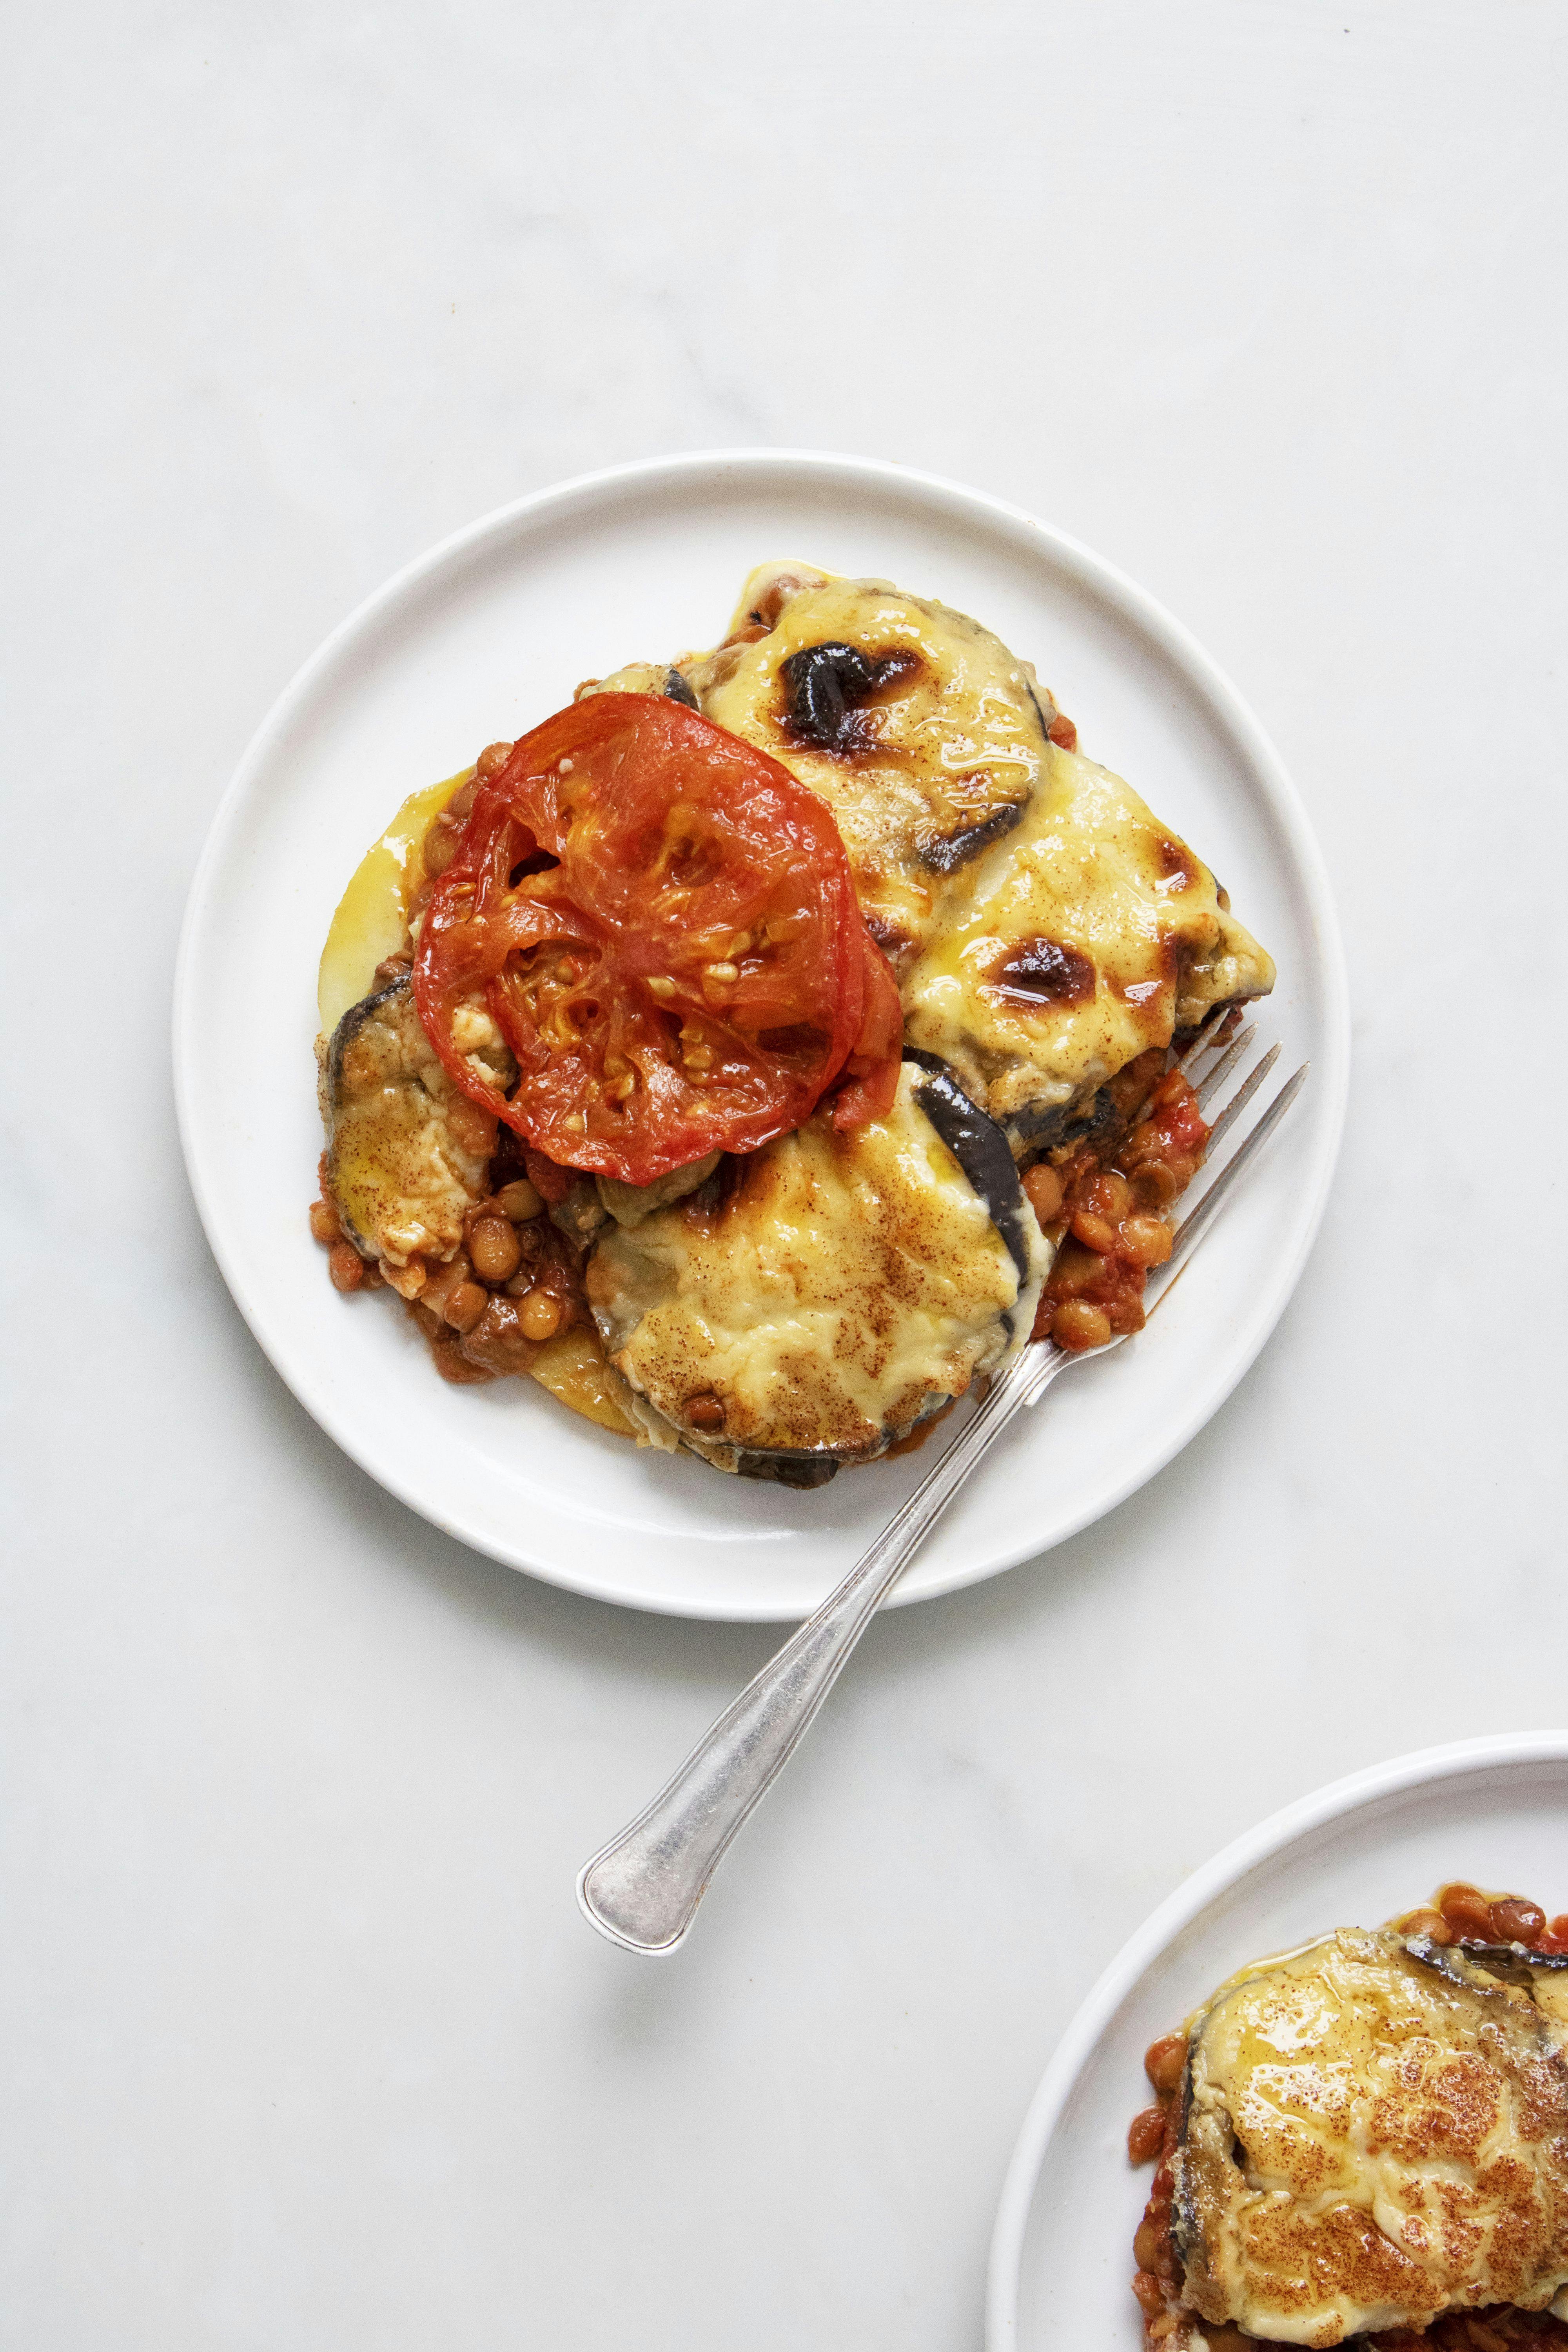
1186 2229
1035 1131
1494 1957
383 1096
1514 1964
825 685
580 1215
946 855
802 1471
350 1025
806 1469
343 1036
980 1148
677 689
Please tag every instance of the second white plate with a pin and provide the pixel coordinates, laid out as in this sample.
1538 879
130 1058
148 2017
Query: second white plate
483 637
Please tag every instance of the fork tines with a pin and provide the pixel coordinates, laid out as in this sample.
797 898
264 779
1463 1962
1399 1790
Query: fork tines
1218 1034
1223 1033
1217 1030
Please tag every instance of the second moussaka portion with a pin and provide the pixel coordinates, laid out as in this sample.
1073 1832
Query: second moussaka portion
1368 2136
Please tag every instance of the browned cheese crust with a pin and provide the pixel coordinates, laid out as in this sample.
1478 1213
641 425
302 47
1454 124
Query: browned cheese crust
1372 2133
822 1295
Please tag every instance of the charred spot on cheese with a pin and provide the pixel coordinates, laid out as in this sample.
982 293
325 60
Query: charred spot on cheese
1038 971
1069 954
924 735
1153 986
895 944
810 1304
826 685
980 840
703 1202
406 1152
1373 2130
1179 869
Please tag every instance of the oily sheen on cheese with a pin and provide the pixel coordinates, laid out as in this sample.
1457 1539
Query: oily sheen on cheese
935 763
1046 927
1088 935
844 1287
1372 2133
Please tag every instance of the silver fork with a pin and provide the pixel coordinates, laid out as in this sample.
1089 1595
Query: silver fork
642 1890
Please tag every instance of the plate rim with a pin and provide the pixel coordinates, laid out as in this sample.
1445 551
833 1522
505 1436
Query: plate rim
707 468
1420 1768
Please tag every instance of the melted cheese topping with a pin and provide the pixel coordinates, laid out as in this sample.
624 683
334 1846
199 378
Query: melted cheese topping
954 741
1149 948
846 1284
371 918
572 1366
1370 2141
973 841
1042 959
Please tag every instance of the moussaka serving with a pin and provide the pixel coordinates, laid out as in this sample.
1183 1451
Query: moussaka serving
762 1049
1365 2141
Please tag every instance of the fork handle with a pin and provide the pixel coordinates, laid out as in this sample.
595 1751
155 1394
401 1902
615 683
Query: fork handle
642 1890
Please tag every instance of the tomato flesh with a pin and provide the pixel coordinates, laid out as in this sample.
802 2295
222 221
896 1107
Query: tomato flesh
872 1069
662 922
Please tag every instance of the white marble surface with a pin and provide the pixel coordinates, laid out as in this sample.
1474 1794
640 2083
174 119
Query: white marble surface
304 2044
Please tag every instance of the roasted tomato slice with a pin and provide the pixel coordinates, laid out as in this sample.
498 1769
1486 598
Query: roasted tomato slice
871 1072
662 920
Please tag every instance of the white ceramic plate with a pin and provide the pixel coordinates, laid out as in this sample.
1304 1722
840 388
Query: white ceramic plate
1494 1811
482 638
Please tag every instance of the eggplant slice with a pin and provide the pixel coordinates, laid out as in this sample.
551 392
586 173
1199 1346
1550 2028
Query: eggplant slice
406 1152
980 1150
1091 935
1045 928
1373 2130
809 1305
920 729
